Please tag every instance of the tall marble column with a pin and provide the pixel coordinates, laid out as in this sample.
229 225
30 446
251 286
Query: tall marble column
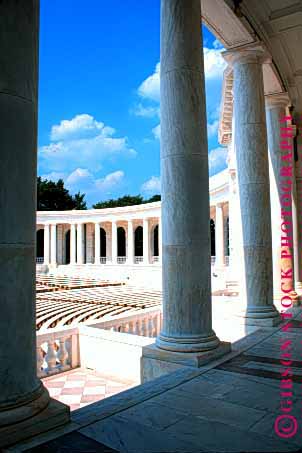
253 182
80 255
219 236
187 316
53 244
114 242
275 110
130 258
46 243
25 406
72 243
97 243
146 241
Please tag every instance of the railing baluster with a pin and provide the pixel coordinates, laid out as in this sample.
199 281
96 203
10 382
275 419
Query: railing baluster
51 356
62 353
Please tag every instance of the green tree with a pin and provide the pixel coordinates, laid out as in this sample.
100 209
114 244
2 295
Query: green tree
153 199
80 203
53 196
126 200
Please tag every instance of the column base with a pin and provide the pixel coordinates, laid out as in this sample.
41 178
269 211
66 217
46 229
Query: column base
35 417
263 317
156 362
187 344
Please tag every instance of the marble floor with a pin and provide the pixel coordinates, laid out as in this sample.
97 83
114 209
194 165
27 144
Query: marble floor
81 387
227 406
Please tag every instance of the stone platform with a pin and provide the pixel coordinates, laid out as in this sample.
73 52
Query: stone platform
227 406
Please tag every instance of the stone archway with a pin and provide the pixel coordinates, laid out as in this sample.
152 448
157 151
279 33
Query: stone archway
40 244
138 241
155 244
103 244
121 241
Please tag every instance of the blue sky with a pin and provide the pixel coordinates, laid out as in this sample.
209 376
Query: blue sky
99 96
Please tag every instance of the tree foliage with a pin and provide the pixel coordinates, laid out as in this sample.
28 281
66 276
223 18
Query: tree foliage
53 196
126 200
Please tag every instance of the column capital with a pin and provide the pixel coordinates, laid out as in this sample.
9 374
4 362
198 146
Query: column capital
251 53
277 100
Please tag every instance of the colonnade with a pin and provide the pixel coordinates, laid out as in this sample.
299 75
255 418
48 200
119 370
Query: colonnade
106 251
150 252
25 406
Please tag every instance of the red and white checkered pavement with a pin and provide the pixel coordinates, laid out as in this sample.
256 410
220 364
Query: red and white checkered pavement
80 387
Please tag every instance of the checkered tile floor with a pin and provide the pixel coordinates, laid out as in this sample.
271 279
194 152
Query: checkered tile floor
80 387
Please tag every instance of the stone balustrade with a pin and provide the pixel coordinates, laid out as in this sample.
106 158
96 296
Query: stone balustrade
57 351
146 323
121 259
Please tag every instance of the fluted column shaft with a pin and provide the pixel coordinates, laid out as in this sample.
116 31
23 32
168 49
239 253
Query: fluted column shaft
219 236
253 178
72 243
97 243
114 242
187 318
46 243
53 244
130 258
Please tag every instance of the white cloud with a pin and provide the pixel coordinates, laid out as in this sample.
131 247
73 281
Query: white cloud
152 185
85 181
156 132
78 176
145 111
82 142
54 176
110 181
217 160
214 64
149 89
78 127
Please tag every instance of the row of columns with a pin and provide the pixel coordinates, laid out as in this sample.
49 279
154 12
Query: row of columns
187 315
77 243
187 319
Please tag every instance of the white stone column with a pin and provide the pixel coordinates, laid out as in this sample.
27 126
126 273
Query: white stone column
275 110
145 241
114 242
130 258
160 253
187 317
46 243
97 243
219 236
72 243
253 178
80 255
53 244
25 406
